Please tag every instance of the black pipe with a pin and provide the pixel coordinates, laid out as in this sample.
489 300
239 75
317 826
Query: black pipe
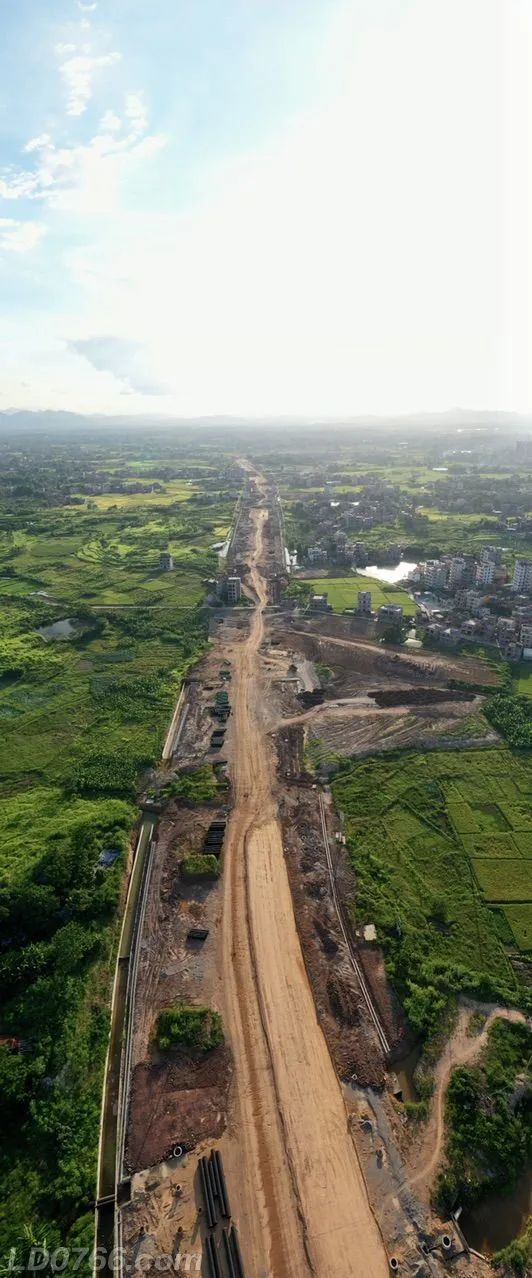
215 1179
213 1182
237 1252
207 1195
226 1210
229 1255
214 1263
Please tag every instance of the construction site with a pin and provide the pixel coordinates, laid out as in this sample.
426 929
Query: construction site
282 1150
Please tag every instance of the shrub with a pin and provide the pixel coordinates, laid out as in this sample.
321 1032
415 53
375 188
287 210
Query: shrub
200 865
182 1026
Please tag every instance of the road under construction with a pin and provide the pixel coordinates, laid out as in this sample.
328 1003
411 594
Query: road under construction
304 1206
270 1101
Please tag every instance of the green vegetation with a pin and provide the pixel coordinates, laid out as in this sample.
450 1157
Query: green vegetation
342 592
197 786
517 1257
200 865
196 1027
522 674
512 717
488 1109
430 859
84 708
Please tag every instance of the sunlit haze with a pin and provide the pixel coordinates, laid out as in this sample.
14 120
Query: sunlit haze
286 207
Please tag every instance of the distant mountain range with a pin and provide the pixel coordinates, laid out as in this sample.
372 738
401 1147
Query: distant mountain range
16 420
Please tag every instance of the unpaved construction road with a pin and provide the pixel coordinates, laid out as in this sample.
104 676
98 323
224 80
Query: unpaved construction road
461 1049
303 1206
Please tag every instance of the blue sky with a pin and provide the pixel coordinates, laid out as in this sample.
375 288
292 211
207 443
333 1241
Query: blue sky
264 206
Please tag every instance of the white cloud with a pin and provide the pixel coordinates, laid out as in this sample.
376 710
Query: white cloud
37 144
19 237
136 113
124 359
78 73
110 123
85 178
86 8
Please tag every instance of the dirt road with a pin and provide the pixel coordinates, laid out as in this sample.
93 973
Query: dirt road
302 1202
461 1049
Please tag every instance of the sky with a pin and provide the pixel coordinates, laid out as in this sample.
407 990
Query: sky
262 207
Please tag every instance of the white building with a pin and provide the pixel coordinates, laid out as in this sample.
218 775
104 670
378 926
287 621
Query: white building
485 573
166 561
233 589
435 574
522 579
364 602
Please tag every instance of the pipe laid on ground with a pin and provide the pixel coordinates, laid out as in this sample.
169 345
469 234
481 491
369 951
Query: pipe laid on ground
214 1263
229 1255
237 1254
224 1200
207 1194
215 1179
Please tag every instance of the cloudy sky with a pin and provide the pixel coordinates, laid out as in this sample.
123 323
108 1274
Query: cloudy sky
265 206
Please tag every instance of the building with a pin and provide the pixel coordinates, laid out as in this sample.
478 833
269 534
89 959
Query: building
491 554
166 561
522 578
485 573
233 589
320 602
456 572
364 602
391 612
526 636
435 574
317 555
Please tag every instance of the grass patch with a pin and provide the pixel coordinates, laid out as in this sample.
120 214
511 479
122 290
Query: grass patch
342 592
512 882
198 1028
200 865
413 844
519 918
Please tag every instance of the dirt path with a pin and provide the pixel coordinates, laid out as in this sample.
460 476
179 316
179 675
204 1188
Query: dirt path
302 1201
461 1049
428 663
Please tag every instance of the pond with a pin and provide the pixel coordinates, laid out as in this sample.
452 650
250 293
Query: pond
59 629
391 575
499 1218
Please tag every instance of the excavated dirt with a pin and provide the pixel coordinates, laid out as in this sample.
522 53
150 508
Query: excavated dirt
328 641
177 1102
352 1040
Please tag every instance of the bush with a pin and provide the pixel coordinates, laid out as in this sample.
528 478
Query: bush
197 1027
198 786
489 1136
200 865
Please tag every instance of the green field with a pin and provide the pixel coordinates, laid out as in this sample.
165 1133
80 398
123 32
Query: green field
342 592
82 718
523 679
440 875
